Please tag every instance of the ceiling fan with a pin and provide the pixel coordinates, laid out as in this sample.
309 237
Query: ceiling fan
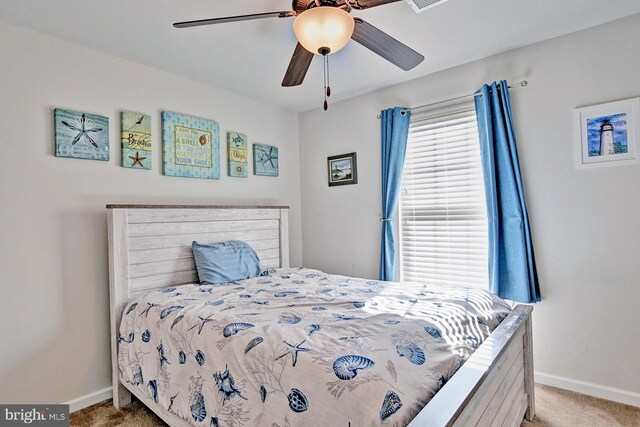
324 27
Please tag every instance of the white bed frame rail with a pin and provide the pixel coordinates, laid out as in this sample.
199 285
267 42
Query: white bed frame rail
150 248
495 385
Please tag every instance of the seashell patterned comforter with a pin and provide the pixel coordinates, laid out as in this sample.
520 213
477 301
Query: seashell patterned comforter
299 347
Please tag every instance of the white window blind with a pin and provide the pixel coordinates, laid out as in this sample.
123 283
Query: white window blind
443 217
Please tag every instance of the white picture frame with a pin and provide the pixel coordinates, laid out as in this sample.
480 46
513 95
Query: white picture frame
608 133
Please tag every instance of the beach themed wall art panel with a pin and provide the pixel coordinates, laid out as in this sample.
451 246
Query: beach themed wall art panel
237 154
342 169
190 146
81 135
136 140
608 133
265 160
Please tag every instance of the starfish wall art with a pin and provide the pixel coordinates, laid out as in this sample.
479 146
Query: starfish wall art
265 160
81 135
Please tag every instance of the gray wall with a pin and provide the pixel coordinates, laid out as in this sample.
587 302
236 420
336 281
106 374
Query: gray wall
53 249
585 222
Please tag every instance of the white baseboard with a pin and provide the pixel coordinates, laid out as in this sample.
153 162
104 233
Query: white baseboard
89 399
590 389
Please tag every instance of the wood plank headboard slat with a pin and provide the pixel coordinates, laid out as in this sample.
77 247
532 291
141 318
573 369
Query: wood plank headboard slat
181 240
170 228
269 248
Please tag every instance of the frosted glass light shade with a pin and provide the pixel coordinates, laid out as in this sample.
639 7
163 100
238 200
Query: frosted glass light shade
323 27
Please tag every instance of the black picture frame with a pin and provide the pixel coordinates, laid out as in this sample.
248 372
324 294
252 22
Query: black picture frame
342 169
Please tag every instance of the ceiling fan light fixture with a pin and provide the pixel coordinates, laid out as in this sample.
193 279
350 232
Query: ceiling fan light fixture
323 29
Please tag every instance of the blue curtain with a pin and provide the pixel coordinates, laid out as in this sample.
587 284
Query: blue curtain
512 266
395 128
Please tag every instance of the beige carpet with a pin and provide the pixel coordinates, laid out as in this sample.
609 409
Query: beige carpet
554 407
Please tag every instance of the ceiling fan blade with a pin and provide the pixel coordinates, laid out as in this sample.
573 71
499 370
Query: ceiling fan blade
300 5
366 4
186 24
386 46
298 66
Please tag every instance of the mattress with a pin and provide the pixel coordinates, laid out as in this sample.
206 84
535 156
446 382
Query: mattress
300 347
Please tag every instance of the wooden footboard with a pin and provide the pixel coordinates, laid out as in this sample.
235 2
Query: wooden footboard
495 386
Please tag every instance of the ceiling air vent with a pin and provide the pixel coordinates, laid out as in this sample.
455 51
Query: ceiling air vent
422 5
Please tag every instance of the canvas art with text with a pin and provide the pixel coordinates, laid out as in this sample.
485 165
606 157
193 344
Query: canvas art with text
265 160
190 146
237 154
81 135
136 140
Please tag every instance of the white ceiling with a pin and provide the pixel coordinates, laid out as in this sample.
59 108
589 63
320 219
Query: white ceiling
251 57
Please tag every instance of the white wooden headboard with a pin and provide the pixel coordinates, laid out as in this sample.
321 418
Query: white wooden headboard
150 248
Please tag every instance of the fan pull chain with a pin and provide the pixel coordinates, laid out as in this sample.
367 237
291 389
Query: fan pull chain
327 90
328 85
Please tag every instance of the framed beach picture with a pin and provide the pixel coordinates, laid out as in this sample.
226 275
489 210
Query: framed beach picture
190 146
608 133
342 169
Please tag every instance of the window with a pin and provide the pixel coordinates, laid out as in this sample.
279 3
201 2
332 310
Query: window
443 216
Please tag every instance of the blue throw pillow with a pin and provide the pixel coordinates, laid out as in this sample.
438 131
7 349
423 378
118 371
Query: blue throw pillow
225 262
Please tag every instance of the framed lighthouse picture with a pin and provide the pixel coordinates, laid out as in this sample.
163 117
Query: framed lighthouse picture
608 133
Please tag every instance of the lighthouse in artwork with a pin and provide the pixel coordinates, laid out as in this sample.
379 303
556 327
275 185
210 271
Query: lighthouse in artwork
606 138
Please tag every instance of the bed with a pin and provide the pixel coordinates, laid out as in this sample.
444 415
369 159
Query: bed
150 256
